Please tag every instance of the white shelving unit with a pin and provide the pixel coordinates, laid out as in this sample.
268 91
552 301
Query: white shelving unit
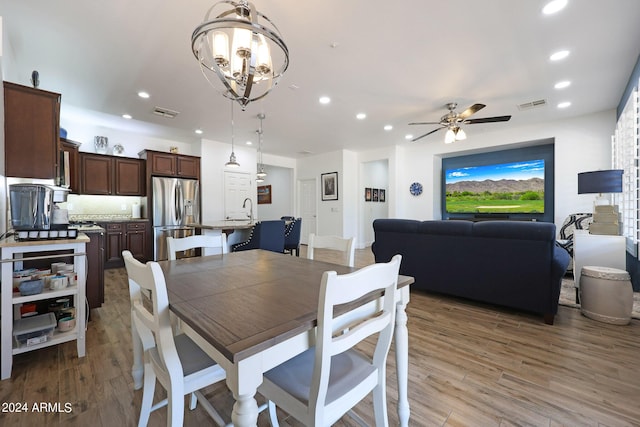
12 253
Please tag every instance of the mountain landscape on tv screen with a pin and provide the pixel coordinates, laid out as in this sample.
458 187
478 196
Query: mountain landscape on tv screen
516 187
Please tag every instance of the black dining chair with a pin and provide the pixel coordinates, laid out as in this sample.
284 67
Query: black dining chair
292 236
268 235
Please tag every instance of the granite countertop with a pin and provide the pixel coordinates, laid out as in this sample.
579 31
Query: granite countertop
225 225
104 218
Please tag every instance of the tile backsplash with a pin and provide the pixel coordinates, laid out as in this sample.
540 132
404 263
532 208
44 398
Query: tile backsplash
85 206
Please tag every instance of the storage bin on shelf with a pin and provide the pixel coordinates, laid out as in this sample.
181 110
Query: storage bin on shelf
34 330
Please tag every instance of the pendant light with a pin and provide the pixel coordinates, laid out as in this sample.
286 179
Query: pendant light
232 163
261 173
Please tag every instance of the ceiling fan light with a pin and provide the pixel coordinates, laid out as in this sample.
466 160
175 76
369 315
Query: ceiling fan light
460 134
450 136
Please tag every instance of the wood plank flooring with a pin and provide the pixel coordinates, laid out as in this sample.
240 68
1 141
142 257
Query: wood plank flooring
470 365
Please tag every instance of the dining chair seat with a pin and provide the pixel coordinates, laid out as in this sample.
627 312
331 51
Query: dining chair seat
322 384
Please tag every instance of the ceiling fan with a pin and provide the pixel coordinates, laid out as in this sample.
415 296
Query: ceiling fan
452 121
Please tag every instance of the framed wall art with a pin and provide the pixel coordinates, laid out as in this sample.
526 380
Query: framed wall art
367 194
381 195
264 194
329 182
375 194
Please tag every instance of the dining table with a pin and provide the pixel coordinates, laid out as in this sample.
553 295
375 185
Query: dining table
253 310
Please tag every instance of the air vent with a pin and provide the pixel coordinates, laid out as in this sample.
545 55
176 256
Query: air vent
532 104
165 112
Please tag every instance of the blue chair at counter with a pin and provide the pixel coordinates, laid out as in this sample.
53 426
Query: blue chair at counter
292 236
268 235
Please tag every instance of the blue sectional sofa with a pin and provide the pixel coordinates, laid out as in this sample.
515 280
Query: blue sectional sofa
515 264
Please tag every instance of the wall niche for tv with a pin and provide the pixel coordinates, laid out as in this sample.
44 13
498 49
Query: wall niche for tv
515 184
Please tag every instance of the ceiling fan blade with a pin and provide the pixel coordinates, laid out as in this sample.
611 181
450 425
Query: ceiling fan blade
426 134
488 120
425 123
471 110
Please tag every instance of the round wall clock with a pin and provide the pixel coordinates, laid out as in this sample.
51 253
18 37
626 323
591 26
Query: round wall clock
415 189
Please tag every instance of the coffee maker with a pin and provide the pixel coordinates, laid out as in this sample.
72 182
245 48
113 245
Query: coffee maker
34 210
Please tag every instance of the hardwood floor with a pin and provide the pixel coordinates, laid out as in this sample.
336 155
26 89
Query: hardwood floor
470 365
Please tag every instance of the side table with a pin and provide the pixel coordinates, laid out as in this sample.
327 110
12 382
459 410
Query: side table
597 249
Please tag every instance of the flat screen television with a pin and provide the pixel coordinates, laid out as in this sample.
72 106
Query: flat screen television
515 187
513 184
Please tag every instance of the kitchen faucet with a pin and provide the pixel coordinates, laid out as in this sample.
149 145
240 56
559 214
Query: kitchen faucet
244 205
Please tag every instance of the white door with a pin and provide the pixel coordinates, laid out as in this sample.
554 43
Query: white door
237 187
307 197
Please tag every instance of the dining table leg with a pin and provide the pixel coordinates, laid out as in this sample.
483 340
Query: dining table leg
402 358
243 380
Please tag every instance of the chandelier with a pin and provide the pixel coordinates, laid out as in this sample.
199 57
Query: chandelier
242 47
261 173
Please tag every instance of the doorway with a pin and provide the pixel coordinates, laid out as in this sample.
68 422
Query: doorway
307 197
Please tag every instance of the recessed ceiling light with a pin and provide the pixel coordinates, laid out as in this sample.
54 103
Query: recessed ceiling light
143 94
564 104
409 136
126 116
561 54
388 127
324 100
361 116
554 6
563 84
198 131
249 143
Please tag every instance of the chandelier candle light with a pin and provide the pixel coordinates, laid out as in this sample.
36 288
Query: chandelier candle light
242 47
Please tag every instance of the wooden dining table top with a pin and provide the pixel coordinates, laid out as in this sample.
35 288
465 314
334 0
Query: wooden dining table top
245 302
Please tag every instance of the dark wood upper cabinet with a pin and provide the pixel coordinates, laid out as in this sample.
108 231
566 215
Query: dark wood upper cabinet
96 174
169 164
129 176
31 132
188 166
111 175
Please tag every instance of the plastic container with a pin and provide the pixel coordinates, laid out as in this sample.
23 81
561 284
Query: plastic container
34 330
31 287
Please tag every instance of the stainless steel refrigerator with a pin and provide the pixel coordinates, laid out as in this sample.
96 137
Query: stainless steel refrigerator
176 204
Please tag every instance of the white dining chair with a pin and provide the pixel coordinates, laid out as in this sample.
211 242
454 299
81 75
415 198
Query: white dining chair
334 243
177 362
322 384
175 245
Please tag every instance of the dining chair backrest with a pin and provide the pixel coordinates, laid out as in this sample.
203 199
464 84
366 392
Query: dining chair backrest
334 243
268 235
149 277
292 236
175 245
319 386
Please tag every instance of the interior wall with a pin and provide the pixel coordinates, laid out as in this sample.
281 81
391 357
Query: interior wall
3 183
581 144
281 182
374 174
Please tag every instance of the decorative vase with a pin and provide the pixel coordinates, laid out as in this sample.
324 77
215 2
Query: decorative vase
101 144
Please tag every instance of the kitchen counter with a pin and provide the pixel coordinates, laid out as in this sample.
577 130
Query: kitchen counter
225 225
12 242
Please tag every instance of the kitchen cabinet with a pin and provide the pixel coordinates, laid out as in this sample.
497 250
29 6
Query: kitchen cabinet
122 235
111 175
95 268
31 132
70 172
169 164
19 252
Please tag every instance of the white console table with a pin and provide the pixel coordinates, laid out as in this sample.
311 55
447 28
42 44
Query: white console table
12 253
598 250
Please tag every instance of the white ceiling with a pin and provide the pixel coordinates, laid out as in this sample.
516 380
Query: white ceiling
397 61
